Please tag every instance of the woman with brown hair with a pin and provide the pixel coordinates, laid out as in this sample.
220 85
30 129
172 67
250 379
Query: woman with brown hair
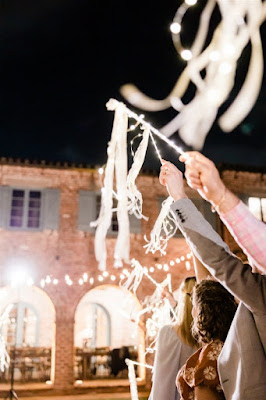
174 345
213 311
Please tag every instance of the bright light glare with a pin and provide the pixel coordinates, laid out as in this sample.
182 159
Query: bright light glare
18 274
186 55
191 2
175 27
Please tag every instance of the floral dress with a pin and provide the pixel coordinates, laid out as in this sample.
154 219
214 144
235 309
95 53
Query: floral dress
200 368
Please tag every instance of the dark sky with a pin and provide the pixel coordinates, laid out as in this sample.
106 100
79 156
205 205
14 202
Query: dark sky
61 60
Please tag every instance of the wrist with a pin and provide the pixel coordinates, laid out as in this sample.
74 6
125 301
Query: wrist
226 203
217 205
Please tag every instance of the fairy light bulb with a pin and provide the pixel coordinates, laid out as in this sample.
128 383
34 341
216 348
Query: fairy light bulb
91 281
172 263
100 171
42 283
175 28
188 267
186 54
177 260
166 267
55 281
151 269
85 277
100 278
190 2
81 281
113 278
182 258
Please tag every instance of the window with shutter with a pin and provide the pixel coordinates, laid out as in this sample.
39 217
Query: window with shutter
29 209
89 209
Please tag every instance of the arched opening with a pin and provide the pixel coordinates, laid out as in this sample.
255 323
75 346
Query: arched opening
29 334
106 334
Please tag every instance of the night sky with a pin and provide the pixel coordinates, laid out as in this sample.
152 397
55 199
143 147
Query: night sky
61 61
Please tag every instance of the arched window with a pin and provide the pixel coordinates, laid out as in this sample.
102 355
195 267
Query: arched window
22 327
98 323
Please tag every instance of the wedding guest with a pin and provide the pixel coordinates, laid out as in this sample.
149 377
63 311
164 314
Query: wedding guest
247 230
242 361
175 344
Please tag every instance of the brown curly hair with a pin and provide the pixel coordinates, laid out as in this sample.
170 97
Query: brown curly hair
216 308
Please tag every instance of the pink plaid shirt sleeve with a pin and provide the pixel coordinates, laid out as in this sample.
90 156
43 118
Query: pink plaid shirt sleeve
248 232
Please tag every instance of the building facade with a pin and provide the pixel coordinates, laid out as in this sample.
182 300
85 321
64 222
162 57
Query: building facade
70 322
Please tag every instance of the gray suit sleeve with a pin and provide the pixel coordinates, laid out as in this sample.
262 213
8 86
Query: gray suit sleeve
214 254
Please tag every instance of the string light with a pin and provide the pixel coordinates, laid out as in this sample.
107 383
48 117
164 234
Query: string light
125 273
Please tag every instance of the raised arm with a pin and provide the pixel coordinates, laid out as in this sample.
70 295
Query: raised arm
248 232
210 249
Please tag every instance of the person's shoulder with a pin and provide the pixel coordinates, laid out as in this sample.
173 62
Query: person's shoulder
167 331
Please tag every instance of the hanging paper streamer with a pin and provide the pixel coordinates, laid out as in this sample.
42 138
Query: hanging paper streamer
114 168
164 228
240 24
128 197
134 195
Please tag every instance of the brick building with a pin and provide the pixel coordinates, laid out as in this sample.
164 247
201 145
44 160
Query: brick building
67 307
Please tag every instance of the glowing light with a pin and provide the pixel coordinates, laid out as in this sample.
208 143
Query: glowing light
159 266
49 382
91 281
125 272
175 27
48 279
122 276
42 283
166 267
189 255
100 278
101 171
81 281
79 382
132 127
182 258
190 2
172 263
55 281
113 278
186 54
188 267
151 269
105 274
85 277
30 281
177 260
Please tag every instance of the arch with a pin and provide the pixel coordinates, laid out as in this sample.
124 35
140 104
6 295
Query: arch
34 328
122 307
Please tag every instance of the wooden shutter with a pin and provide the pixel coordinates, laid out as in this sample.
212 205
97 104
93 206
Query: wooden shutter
51 209
5 198
87 212
135 224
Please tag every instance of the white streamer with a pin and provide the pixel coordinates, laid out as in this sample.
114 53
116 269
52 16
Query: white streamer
164 228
